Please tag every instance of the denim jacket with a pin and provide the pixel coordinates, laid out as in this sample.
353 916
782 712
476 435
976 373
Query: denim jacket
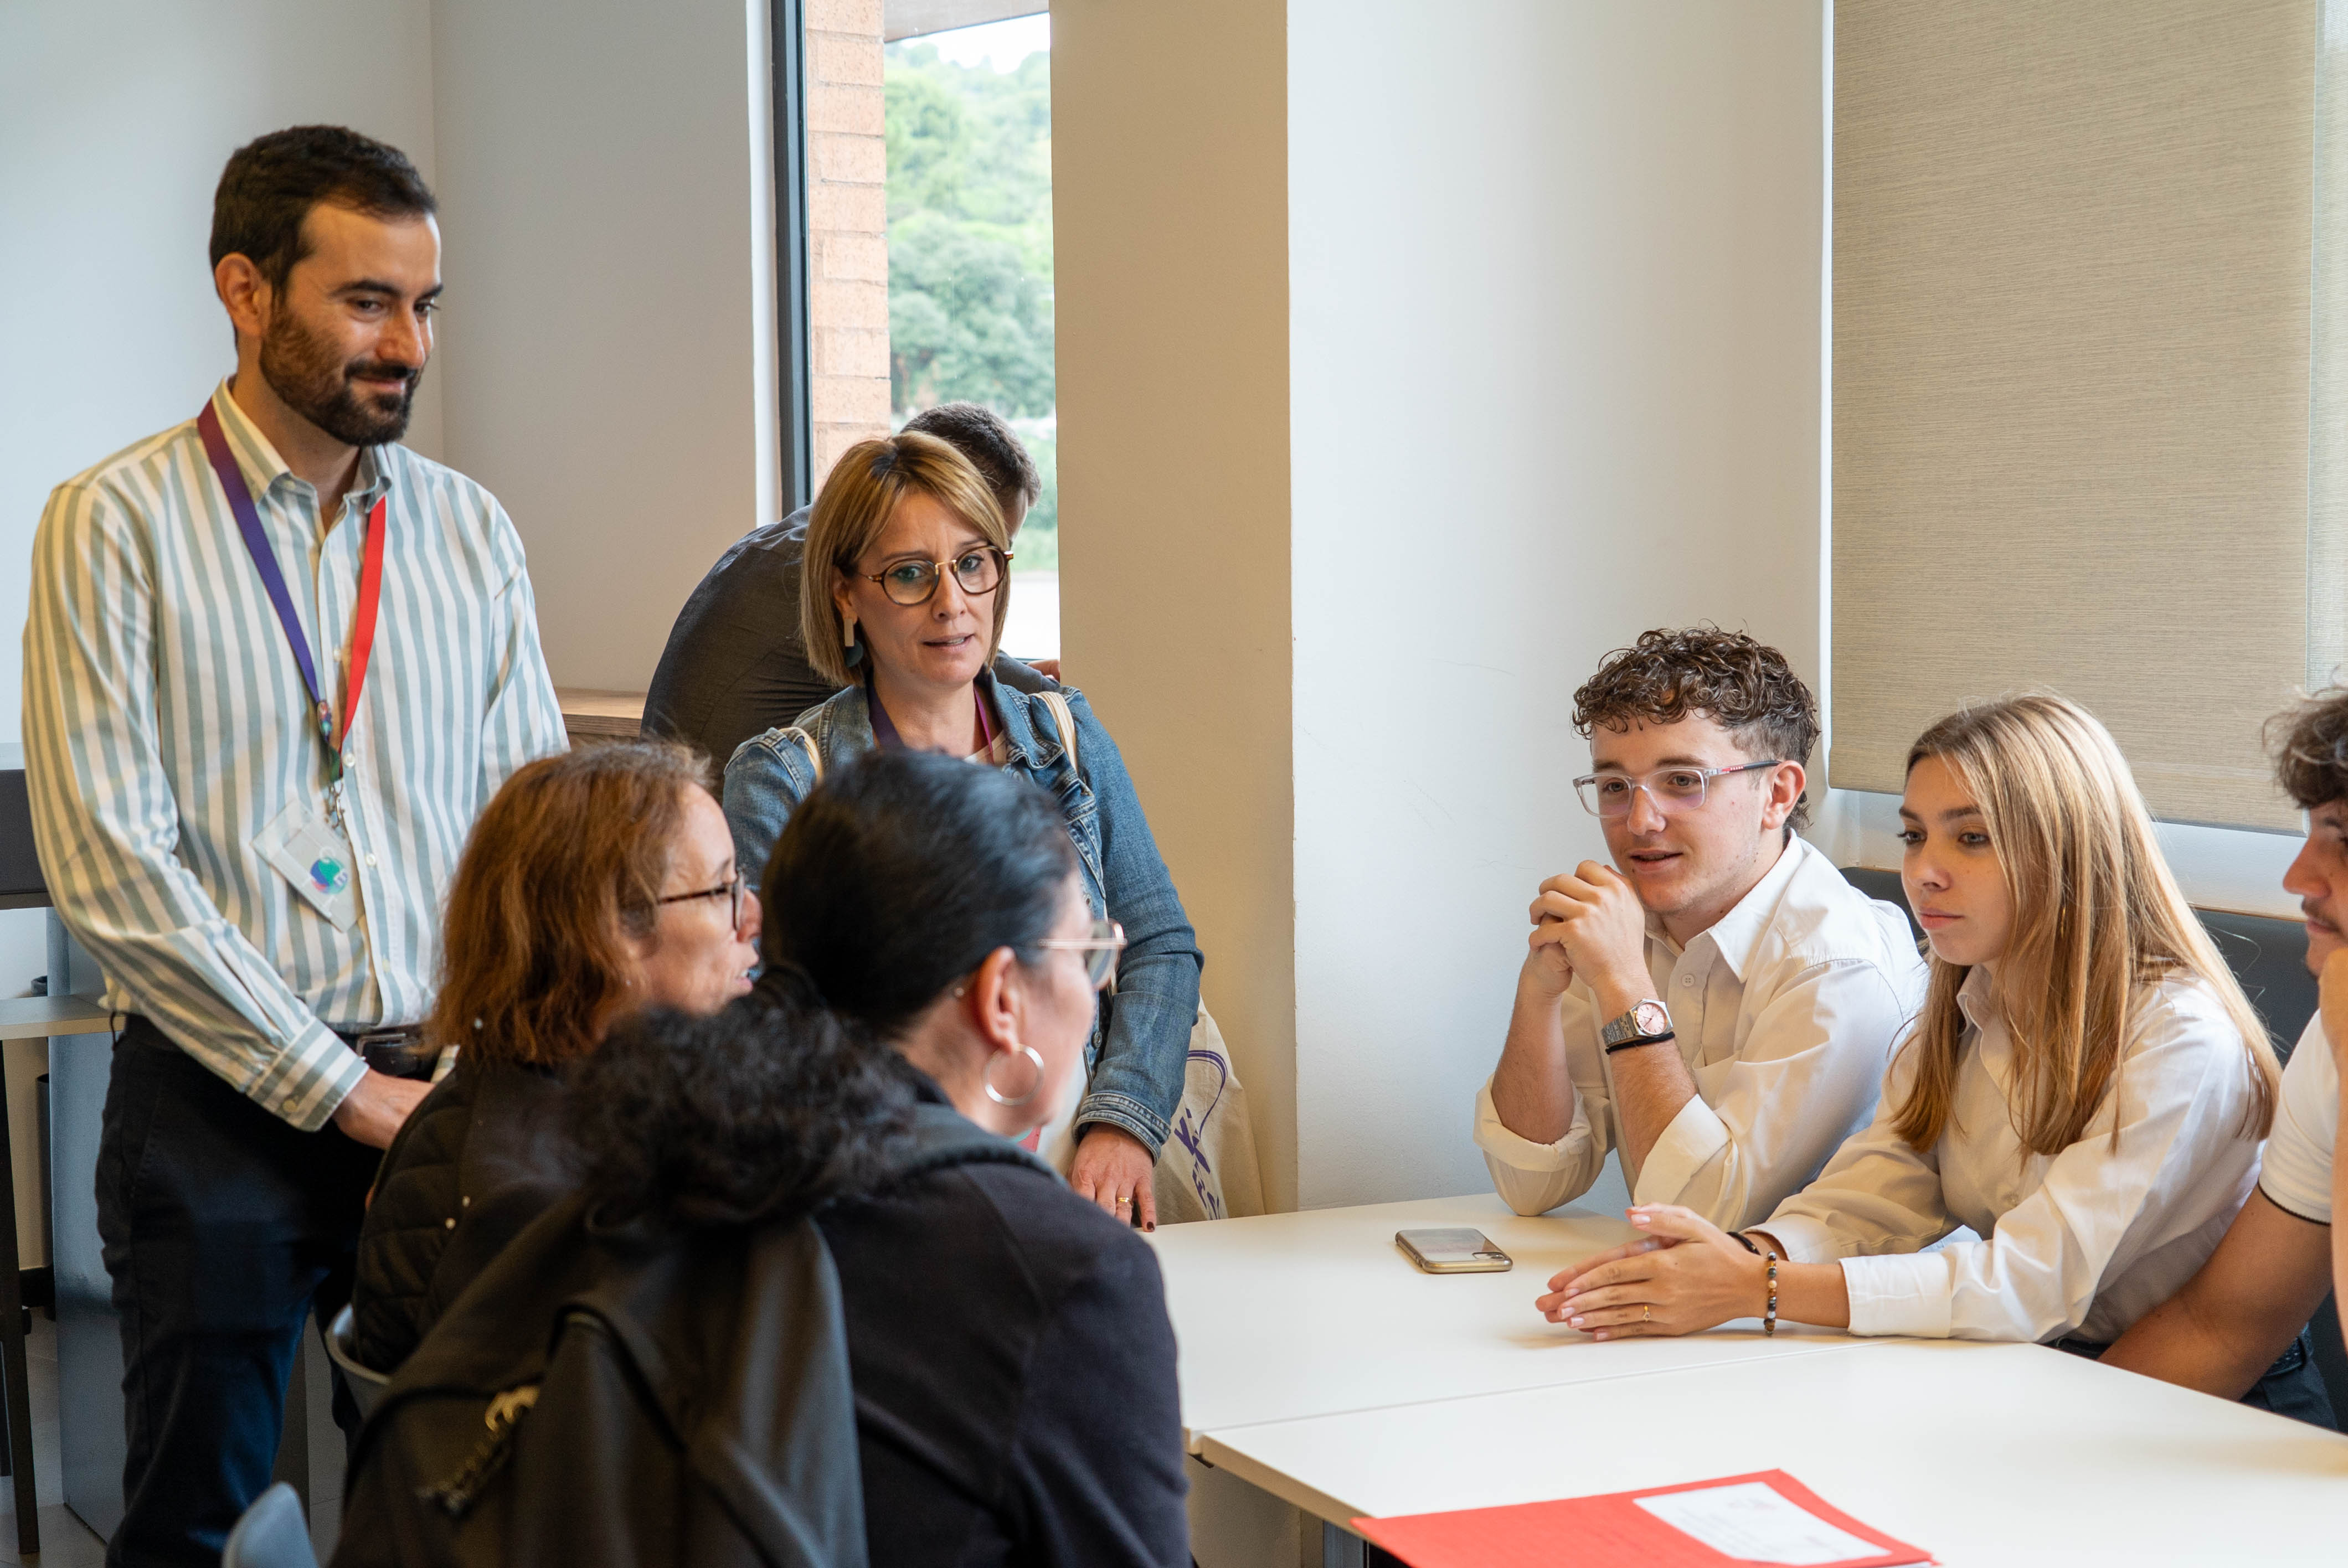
1141 1040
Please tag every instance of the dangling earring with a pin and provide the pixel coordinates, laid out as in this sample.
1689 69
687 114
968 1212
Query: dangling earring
987 1078
855 649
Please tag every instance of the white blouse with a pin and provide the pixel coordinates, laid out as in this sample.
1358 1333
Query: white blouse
2084 1241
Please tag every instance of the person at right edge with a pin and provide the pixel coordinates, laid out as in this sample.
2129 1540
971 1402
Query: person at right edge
1719 1003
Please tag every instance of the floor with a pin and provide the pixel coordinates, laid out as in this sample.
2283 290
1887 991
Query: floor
66 1540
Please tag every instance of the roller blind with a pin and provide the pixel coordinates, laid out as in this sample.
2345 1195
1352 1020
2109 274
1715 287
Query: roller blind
2075 310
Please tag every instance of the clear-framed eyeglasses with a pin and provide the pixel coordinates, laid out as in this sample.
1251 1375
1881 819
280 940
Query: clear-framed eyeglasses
976 571
1100 950
1671 789
735 891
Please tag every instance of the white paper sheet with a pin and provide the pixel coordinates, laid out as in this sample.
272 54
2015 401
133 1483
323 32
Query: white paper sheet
1755 1521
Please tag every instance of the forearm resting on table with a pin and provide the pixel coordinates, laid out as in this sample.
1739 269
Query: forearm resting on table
1531 1089
1812 1293
2225 1327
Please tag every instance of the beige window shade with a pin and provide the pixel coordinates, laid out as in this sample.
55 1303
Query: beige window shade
2074 316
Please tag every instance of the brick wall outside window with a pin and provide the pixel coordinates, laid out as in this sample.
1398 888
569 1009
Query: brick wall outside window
848 228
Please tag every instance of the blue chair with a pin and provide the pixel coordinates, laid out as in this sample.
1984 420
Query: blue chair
271 1534
2268 957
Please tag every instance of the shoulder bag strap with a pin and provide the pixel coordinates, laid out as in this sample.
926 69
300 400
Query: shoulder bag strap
1064 721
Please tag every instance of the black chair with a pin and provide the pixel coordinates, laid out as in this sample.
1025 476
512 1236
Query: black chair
272 1533
2268 957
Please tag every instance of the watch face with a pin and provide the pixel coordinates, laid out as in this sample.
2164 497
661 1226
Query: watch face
1651 1017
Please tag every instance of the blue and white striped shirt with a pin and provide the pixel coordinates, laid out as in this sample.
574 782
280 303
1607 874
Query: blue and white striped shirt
166 725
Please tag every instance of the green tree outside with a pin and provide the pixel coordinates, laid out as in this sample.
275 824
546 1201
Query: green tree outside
970 253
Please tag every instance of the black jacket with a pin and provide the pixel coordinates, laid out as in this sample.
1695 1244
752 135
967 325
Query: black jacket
480 1159
1014 1369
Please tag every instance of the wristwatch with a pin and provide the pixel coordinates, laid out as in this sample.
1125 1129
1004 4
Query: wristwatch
1645 1023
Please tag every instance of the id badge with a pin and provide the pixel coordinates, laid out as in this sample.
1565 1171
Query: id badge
313 856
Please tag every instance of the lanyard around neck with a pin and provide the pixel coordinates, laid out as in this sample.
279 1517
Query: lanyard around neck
884 728
265 561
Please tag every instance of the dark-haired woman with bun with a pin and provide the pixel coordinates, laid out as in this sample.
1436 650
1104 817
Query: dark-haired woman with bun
597 883
1012 1364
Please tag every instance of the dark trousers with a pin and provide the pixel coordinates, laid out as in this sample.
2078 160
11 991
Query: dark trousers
222 1224
2293 1387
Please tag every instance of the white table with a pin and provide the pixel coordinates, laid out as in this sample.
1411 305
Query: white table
2004 1455
1316 1314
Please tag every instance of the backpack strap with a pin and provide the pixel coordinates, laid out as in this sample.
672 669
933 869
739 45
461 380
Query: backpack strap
806 742
1064 721
942 1137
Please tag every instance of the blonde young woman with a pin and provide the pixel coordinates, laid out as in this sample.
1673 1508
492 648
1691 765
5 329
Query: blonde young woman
2087 1089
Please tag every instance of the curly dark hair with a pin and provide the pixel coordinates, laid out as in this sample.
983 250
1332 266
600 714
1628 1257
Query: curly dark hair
1746 685
270 183
762 1111
2309 743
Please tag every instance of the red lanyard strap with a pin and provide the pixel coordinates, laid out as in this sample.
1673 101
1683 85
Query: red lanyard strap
272 579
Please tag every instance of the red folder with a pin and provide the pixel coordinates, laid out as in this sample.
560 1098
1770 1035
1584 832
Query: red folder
1609 1532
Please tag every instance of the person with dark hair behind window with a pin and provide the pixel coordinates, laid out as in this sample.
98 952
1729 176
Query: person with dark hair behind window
275 664
735 664
598 883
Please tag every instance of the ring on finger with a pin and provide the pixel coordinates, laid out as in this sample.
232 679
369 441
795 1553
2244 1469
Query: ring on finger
1646 1312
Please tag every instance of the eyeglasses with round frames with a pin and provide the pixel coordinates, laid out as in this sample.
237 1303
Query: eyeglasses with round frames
1100 950
915 582
1671 789
733 890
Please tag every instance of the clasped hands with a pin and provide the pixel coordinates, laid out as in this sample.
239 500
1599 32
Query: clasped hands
1589 921
1685 1275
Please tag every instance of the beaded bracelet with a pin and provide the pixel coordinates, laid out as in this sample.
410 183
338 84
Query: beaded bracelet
1769 1323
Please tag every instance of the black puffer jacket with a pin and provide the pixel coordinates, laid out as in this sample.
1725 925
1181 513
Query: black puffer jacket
482 1157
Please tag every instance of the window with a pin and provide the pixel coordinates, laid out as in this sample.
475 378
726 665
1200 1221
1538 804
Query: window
969 264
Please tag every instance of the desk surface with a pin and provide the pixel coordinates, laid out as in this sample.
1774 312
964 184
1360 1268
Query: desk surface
1318 1313
1981 1454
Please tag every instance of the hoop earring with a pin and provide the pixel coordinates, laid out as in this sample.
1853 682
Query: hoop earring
986 1079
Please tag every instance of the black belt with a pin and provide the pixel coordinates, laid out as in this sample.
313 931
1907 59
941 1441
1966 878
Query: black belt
399 1052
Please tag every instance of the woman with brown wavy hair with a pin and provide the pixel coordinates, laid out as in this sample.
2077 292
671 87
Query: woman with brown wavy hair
2087 1089
597 883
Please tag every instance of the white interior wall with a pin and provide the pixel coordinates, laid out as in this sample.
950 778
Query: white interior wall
1555 379
607 319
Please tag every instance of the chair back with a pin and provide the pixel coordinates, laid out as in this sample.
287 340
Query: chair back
366 1384
271 1534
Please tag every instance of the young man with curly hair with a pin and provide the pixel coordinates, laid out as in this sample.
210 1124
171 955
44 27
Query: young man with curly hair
2248 1304
1719 1003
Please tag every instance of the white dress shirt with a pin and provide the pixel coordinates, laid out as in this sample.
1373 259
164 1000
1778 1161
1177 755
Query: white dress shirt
2082 1242
2298 1174
1785 1010
166 725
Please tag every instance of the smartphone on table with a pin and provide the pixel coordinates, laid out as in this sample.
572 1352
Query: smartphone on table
1454 1250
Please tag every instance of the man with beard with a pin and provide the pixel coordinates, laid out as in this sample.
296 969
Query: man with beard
275 665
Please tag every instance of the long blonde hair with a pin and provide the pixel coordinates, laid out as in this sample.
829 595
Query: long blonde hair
2096 917
861 496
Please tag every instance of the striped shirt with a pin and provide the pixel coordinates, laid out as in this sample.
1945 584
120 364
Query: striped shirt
166 725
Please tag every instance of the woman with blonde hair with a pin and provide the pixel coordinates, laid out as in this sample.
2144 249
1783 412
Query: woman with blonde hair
2087 1089
907 591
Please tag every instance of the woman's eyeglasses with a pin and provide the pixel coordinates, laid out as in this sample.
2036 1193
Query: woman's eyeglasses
734 891
910 582
1100 950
